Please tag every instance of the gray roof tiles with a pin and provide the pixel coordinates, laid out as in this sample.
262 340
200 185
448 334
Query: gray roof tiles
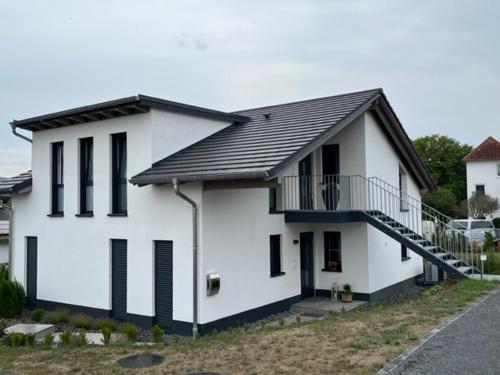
14 184
255 148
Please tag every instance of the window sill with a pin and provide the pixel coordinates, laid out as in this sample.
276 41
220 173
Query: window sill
85 215
404 259
276 212
118 214
330 270
277 274
55 215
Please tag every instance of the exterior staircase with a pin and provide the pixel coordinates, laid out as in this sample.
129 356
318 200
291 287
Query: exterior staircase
419 227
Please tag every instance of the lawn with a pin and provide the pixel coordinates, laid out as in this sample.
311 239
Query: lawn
356 342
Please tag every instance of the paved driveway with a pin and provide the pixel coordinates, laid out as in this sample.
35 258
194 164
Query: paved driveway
469 344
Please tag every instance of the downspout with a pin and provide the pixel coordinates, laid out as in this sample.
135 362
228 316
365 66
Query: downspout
14 131
11 224
175 182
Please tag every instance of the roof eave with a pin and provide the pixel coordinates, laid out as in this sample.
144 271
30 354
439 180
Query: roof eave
160 180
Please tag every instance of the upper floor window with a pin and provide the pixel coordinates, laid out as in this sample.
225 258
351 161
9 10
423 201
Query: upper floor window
119 173
57 178
86 176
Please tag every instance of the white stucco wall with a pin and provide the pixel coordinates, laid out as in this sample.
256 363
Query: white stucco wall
484 172
74 252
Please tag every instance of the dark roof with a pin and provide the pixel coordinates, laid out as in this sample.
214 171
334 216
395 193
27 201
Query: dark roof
274 137
15 184
488 150
118 108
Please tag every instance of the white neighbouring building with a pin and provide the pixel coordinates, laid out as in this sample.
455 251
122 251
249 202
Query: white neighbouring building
483 170
4 237
289 199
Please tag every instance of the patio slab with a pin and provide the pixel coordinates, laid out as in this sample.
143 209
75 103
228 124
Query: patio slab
320 306
39 330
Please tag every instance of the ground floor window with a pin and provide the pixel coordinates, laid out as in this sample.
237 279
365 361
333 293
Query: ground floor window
275 254
404 253
333 252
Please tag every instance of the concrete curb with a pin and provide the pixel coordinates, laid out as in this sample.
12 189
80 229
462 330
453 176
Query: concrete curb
393 366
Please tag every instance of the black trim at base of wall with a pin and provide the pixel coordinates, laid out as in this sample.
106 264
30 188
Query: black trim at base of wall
378 296
92 311
248 316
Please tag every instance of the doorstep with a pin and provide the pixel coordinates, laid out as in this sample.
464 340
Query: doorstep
320 306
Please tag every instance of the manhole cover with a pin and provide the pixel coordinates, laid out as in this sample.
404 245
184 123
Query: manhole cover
140 360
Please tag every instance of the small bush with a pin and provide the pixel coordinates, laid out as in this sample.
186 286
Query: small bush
48 340
4 273
65 338
12 298
62 315
15 339
496 222
130 330
157 334
100 323
50 317
30 339
106 335
37 315
81 320
82 338
432 290
3 325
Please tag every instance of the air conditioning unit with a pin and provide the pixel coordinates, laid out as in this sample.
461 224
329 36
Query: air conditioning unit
431 273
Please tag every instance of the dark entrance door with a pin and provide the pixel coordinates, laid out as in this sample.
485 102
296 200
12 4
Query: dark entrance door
330 156
305 183
306 265
163 284
119 279
31 270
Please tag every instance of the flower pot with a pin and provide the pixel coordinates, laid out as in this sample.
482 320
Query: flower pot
346 297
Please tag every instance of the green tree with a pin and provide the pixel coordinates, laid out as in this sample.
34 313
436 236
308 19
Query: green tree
442 200
481 205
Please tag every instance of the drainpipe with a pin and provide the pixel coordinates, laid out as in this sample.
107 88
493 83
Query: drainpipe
14 131
175 182
11 224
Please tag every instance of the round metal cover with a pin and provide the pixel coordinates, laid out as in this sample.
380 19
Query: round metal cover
140 360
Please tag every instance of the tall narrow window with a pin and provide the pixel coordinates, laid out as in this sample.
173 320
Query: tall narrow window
404 253
57 179
275 247
119 170
86 176
333 252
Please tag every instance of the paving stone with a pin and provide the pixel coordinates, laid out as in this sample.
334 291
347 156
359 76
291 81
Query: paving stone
39 330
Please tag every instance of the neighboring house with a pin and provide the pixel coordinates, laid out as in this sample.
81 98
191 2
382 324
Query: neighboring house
483 170
153 211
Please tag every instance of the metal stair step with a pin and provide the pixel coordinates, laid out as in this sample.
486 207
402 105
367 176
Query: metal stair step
441 255
464 269
430 248
451 262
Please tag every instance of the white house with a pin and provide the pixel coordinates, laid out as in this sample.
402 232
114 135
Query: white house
483 170
151 211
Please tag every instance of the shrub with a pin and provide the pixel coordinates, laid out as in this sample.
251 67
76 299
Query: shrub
347 288
37 315
12 298
81 320
15 339
130 330
62 315
100 323
157 334
106 335
65 338
3 325
30 339
489 242
4 273
48 340
496 222
82 338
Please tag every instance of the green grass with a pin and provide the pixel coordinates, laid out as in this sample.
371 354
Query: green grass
354 342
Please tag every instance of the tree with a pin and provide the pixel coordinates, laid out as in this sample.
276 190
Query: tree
481 204
443 157
442 200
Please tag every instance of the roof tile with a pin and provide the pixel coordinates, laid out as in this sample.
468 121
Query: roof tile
488 150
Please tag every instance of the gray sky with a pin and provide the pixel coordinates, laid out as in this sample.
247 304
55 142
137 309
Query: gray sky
437 61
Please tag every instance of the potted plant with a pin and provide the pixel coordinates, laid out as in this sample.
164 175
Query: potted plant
346 294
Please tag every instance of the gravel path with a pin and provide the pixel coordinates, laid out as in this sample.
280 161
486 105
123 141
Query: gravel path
467 344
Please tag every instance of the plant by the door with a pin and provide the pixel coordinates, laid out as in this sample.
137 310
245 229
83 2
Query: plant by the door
346 294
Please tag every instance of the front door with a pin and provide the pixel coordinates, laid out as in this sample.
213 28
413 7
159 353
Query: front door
305 183
306 265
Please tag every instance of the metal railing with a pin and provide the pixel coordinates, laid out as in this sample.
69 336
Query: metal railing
329 193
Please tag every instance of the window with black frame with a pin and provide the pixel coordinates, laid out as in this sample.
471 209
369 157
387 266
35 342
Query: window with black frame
333 252
57 178
275 255
86 176
119 171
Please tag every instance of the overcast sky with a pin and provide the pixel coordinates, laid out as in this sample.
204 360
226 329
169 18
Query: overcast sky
437 61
